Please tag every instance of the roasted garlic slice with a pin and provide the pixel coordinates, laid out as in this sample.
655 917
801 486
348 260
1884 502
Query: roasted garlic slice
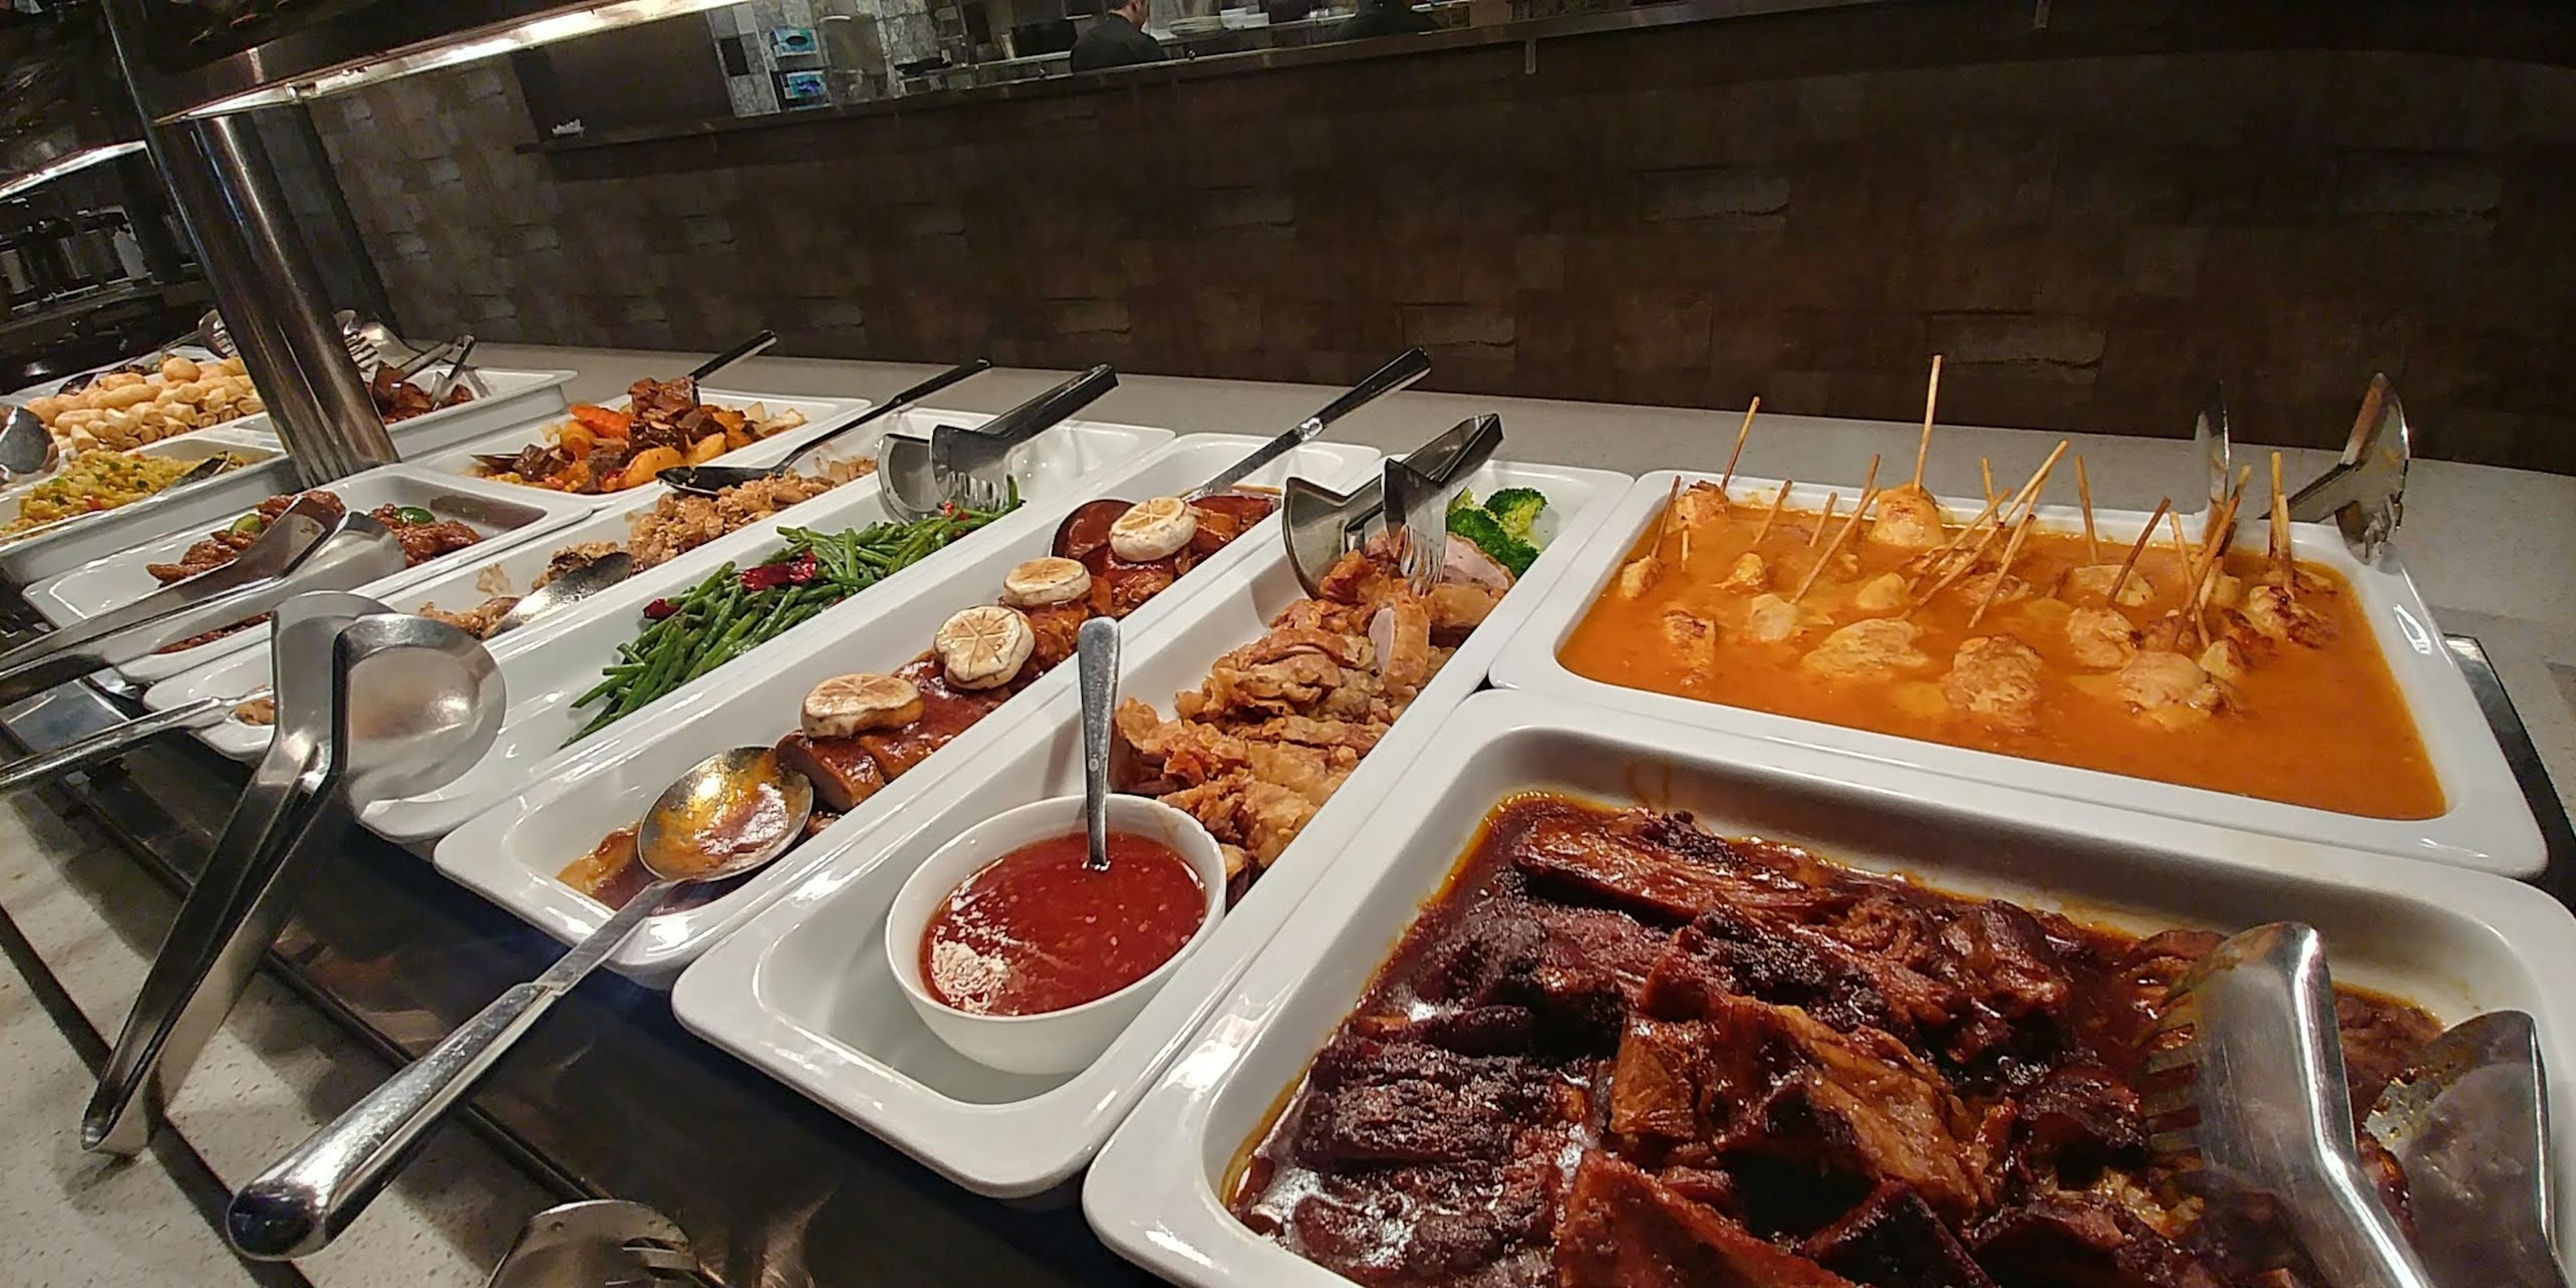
1153 529
984 647
848 704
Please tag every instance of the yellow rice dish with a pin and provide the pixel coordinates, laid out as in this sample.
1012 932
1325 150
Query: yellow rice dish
96 481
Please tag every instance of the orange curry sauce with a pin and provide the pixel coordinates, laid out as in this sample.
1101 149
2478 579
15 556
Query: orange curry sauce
2322 727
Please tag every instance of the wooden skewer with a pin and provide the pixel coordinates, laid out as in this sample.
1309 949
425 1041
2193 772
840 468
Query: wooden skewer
1672 517
1986 471
1849 525
2145 535
2187 570
1776 502
1831 499
2084 493
1738 453
2011 548
2282 559
1931 399
2029 492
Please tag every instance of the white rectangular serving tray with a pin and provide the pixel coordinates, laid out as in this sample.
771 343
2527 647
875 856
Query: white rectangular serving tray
518 398
74 544
2487 825
2457 943
1046 466
185 447
822 415
511 854
803 992
504 515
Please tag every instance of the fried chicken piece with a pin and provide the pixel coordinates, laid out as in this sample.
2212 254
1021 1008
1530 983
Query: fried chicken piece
1400 635
1908 518
1458 609
1463 564
2169 688
1871 647
2100 638
2273 612
1772 619
1996 679
1749 576
1880 593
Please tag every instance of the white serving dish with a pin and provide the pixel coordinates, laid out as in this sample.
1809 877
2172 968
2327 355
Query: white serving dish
2487 826
185 447
2454 942
520 431
803 994
504 515
74 544
518 398
1048 1042
560 810
1047 465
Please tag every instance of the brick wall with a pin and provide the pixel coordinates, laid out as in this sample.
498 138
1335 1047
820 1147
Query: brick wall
1651 217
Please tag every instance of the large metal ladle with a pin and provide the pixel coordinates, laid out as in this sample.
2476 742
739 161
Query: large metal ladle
370 704
735 811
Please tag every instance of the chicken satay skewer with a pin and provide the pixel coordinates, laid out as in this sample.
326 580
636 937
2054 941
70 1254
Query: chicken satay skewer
1831 499
2084 494
2283 562
1994 588
2145 535
1931 400
1777 501
1738 453
1850 525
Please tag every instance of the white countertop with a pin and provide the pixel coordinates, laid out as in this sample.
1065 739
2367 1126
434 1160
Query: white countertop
2494 551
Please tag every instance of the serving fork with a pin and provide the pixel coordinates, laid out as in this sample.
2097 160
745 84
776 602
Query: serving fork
2247 1082
595 1243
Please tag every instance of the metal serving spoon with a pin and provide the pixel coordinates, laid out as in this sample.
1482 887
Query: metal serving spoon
735 811
707 480
570 588
370 705
1096 651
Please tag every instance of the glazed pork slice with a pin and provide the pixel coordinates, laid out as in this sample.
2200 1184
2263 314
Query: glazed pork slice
1895 1238
842 771
1624 1229
1632 867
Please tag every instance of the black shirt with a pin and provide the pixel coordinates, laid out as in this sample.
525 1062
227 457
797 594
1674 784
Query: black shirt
1114 42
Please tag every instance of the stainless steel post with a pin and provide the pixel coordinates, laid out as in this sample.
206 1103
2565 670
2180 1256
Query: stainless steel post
270 296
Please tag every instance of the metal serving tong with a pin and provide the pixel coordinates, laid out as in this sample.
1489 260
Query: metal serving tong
2365 492
971 467
1408 366
2209 443
305 547
708 480
2262 1105
1411 494
370 704
594 1243
81 753
2469 1122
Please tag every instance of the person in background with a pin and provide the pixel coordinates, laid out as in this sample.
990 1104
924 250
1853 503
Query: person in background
1117 39
1386 18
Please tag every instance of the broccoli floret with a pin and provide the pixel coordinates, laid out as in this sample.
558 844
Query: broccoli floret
1465 500
1487 533
1517 509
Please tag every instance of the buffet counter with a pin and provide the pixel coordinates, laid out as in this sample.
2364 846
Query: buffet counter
614 1098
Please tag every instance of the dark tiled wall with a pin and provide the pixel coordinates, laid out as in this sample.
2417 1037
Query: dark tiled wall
2089 240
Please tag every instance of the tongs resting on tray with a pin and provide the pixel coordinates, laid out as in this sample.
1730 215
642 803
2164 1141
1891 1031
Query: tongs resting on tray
304 548
2469 1123
1410 497
370 704
2365 492
2249 1083
971 467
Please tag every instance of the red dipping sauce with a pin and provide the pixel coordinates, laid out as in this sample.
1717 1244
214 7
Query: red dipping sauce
1035 931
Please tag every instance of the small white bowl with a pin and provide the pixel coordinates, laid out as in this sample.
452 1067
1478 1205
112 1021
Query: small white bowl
1055 1042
